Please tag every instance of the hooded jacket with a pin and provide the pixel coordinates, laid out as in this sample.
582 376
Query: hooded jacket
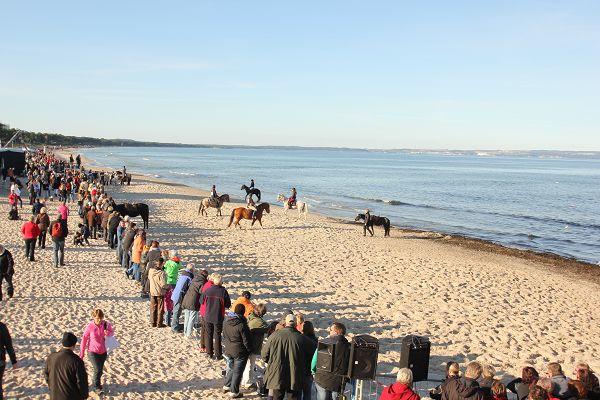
462 389
398 391
236 337
157 280
191 299
182 286
247 304
7 264
172 268
258 327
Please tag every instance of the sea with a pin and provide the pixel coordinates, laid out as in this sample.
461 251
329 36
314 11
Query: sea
541 204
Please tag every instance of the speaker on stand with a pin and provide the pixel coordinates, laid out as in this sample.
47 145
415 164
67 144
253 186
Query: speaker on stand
415 356
364 350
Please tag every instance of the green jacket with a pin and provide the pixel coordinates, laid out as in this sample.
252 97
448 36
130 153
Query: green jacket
285 358
258 328
172 270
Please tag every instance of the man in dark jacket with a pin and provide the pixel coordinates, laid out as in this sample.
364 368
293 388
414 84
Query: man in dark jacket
65 372
329 384
465 388
58 239
5 347
191 303
285 360
113 223
236 337
216 300
127 242
7 270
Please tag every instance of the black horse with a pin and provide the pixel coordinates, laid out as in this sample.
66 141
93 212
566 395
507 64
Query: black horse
250 192
133 210
370 220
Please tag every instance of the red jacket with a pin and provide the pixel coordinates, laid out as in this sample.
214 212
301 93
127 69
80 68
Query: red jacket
203 304
398 391
30 230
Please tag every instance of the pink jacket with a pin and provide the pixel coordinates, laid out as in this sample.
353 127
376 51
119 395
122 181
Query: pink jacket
93 338
63 211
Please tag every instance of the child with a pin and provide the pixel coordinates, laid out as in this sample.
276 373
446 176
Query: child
13 214
85 233
168 306
78 239
498 390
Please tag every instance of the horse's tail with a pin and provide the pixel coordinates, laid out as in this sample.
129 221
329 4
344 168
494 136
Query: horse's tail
231 218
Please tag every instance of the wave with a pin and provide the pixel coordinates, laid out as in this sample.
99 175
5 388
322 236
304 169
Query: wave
560 221
145 159
182 173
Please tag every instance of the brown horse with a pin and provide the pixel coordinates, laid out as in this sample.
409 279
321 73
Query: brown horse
245 213
212 202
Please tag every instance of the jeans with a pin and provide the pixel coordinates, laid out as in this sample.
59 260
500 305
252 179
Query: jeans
213 339
119 250
168 317
125 259
9 285
250 375
176 315
307 389
98 361
324 394
235 369
112 240
59 247
189 320
134 271
30 249
42 239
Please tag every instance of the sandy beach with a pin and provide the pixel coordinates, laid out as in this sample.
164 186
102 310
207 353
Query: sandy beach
472 303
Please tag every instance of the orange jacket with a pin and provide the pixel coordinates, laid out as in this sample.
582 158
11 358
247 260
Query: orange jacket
247 303
137 249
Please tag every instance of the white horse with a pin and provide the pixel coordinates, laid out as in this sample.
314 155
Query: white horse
300 205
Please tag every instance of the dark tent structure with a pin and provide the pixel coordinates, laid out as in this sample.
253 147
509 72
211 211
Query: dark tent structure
13 158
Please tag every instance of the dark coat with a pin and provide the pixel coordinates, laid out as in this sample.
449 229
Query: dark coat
7 264
216 301
258 329
333 380
6 346
285 360
128 239
461 389
66 376
113 222
309 344
236 337
191 300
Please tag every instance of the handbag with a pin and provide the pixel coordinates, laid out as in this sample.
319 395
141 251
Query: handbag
110 342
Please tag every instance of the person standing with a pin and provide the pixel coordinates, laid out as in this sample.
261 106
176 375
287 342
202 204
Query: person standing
114 220
43 222
136 255
466 388
92 340
285 360
158 282
127 243
238 345
310 343
191 303
258 327
59 232
65 372
7 270
6 346
329 384
216 300
181 287
63 210
30 233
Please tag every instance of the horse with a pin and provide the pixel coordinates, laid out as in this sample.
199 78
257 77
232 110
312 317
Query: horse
212 202
374 220
300 205
245 213
133 210
250 192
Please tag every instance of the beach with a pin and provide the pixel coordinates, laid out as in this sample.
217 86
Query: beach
473 302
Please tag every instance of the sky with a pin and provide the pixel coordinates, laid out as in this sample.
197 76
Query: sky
369 74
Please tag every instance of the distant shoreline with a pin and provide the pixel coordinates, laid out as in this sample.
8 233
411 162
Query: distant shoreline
549 260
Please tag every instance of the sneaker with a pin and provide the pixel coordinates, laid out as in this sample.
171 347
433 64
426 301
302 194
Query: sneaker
225 389
235 395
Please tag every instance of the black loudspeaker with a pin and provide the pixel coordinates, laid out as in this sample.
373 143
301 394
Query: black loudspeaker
415 356
325 354
364 350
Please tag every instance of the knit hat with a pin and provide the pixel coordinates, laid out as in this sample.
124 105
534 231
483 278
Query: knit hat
69 339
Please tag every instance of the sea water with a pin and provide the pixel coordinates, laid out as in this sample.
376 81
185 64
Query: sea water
549 205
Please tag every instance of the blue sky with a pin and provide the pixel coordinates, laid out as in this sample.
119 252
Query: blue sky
447 74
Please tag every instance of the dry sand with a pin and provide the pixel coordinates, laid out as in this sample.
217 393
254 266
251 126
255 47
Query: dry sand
472 304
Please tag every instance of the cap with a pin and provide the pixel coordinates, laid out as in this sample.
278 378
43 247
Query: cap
69 339
289 319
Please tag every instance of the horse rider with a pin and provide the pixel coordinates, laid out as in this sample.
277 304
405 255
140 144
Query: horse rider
292 199
251 183
251 205
213 195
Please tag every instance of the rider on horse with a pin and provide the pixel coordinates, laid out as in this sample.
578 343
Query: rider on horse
251 205
251 183
292 199
213 195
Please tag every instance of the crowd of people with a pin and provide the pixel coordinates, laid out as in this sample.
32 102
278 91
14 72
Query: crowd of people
276 359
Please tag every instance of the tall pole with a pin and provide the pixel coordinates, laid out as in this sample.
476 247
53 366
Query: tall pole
12 138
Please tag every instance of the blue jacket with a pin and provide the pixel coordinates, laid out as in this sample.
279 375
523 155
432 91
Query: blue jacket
182 285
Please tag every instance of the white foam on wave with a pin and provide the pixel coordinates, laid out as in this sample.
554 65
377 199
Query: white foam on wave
182 173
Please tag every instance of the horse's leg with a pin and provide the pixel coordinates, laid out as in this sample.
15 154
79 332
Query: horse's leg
364 229
371 230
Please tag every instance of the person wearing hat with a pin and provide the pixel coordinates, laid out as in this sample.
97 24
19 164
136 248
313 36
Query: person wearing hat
181 287
7 270
285 355
245 300
65 372
43 222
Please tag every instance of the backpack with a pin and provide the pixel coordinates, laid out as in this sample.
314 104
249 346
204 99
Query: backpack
57 230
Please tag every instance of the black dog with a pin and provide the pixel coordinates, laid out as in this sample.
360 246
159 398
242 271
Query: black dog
370 220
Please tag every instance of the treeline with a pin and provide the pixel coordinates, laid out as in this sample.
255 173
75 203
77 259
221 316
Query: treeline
36 139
